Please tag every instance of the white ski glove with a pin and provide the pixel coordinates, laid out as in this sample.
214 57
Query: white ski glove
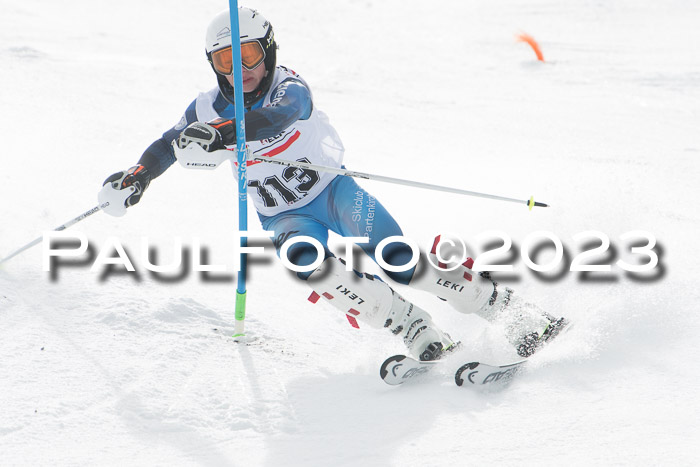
203 145
124 189
212 136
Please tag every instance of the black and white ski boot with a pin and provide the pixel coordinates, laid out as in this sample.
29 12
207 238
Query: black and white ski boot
436 350
531 343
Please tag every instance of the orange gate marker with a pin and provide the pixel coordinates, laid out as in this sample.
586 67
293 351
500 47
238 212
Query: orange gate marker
531 41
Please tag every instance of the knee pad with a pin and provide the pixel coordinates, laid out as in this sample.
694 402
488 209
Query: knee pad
366 298
465 290
362 297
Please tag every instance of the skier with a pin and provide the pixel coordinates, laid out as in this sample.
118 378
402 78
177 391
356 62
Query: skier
282 120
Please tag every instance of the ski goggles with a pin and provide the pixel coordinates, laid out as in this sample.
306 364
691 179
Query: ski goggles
252 55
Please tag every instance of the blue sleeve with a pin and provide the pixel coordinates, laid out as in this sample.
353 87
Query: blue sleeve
159 155
290 101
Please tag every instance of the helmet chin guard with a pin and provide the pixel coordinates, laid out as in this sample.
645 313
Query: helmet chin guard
253 27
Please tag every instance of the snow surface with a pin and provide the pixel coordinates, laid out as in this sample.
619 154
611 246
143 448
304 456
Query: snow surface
128 370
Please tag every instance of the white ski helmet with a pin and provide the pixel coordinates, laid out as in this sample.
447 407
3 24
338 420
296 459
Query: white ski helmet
257 45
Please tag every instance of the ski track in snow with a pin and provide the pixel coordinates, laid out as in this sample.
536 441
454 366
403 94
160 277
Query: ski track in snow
138 370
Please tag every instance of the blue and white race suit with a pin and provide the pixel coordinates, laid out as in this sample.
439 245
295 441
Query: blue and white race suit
291 201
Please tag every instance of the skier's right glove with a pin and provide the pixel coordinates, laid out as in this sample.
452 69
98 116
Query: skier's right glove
212 136
137 177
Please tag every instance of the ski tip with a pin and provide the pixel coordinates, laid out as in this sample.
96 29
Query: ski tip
485 376
384 370
468 366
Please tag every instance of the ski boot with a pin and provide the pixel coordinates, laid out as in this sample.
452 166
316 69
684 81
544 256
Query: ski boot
437 350
531 343
424 340
367 299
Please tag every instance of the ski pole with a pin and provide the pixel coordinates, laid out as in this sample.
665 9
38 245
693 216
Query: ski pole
242 158
351 173
57 229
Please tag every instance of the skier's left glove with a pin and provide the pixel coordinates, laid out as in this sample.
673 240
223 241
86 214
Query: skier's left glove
212 136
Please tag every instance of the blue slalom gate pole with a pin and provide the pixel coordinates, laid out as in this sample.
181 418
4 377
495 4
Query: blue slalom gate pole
242 158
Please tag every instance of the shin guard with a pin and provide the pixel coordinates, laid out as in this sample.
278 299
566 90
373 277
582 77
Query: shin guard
470 292
367 299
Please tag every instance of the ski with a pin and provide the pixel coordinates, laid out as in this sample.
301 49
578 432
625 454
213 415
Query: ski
477 374
400 369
